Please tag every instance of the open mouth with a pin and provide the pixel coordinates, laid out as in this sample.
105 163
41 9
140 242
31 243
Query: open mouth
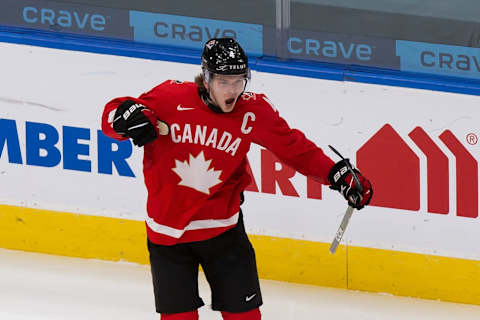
229 102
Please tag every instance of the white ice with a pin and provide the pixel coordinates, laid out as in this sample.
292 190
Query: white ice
40 287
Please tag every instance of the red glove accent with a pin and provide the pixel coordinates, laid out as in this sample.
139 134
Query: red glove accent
161 127
341 179
365 194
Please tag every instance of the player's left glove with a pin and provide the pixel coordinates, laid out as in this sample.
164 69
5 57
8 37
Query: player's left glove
341 179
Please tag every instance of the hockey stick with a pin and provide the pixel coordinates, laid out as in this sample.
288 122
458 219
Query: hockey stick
348 213
341 230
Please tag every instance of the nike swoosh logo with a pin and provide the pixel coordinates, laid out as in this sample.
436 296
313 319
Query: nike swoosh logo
250 298
180 108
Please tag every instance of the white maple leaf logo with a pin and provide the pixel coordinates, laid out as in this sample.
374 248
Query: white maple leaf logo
195 173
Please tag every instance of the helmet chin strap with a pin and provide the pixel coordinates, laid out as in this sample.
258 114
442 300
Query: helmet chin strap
208 101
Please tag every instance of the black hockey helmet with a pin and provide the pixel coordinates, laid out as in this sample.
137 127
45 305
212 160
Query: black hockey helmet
224 56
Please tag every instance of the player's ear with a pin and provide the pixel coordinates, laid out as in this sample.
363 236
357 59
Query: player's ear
205 83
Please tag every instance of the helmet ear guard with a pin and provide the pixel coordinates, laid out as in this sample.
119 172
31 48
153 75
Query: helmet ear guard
207 75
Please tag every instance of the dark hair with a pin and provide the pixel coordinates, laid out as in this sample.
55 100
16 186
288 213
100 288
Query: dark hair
200 85
203 93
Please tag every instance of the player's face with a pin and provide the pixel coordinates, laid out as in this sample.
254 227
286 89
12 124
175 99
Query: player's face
225 89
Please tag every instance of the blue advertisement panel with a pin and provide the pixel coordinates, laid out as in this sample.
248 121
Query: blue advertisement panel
331 47
66 17
191 32
439 59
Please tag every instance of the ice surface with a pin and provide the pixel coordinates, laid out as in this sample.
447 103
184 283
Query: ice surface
40 287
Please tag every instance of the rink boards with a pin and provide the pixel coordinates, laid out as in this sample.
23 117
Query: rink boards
67 189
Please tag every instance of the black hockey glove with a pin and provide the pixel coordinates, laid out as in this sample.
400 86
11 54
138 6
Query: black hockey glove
130 121
341 179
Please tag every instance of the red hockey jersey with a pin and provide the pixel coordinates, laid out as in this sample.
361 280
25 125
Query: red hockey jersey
194 175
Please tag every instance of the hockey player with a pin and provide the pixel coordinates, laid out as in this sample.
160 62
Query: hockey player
196 136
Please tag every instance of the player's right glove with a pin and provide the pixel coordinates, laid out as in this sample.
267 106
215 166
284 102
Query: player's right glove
132 120
341 179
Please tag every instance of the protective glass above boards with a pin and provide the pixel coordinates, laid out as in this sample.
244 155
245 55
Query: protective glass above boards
429 36
185 24
248 11
440 37
452 22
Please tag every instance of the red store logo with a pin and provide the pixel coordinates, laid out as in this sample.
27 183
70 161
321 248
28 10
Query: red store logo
394 169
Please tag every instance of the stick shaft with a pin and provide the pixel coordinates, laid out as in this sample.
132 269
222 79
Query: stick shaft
341 229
